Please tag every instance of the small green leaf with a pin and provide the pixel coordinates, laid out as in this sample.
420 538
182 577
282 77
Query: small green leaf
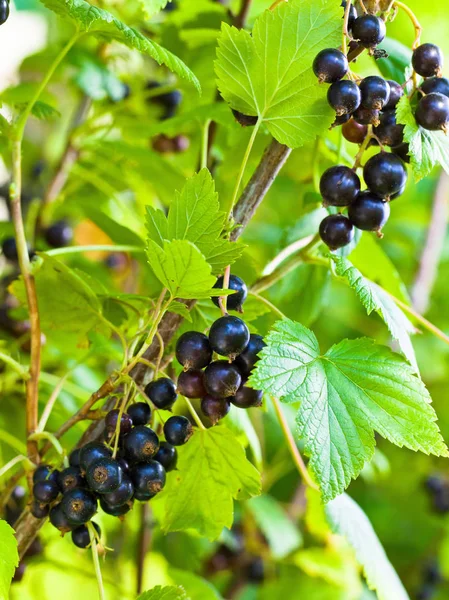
212 470
43 111
97 81
9 558
167 592
151 7
180 309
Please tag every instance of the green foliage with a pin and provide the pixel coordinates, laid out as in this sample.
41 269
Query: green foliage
168 592
151 7
9 558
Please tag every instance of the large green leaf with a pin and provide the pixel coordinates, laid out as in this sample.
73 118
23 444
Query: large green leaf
354 389
166 592
269 73
9 558
212 470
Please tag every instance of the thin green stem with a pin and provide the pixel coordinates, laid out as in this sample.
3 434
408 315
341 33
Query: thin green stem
414 20
18 368
51 402
94 248
13 442
45 435
271 306
345 27
15 461
96 561
205 144
316 165
194 414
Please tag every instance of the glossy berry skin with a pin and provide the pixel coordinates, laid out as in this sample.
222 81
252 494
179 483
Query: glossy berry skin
389 132
246 361
140 413
59 520
178 430
375 92
111 421
341 120
92 452
141 444
191 384
4 11
45 473
104 475
39 510
74 457
432 112
339 186
162 393
222 379
396 93
79 506
234 301
385 174
122 494
366 116
330 65
59 234
369 212
436 85
81 537
71 478
229 336
344 97
336 231
369 30
167 455
45 491
427 60
114 511
354 132
246 397
193 350
215 409
148 479
244 120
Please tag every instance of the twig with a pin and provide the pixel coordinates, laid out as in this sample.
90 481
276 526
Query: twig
240 19
94 548
223 300
143 544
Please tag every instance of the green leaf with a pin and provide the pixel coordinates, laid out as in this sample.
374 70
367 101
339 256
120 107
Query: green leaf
43 111
346 518
212 470
427 148
354 389
151 7
167 592
196 587
103 24
9 558
269 73
180 309
399 58
97 81
374 298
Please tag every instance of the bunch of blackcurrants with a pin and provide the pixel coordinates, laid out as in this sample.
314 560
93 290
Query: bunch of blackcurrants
368 107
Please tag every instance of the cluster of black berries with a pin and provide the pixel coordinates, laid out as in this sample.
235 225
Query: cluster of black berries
57 235
4 11
70 497
438 489
432 111
169 103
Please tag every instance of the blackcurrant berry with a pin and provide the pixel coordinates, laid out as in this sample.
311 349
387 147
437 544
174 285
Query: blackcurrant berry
400 193
122 494
71 478
229 336
59 520
46 473
432 112
215 409
45 491
389 131
369 30
111 421
403 152
354 132
336 231
4 11
244 120
178 430
92 452
339 186
375 92
435 484
191 384
396 93
427 60
366 116
250 355
141 444
234 301
9 248
171 6
436 85
140 413
344 97
79 506
81 537
255 571
39 510
193 350
114 511
352 14
167 455
385 174
104 475
162 393
148 480
222 379
74 457
369 212
246 397
330 65
59 234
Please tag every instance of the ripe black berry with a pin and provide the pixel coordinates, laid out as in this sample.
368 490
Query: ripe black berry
122 494
39 510
432 112
81 537
162 392
45 473
427 60
9 247
375 92
435 484
255 571
71 478
167 455
336 231
140 413
215 408
170 100
341 120
45 491
74 457
92 452
396 93
339 186
234 301
104 475
178 430
369 30
59 234
246 397
229 336
59 520
191 384
114 511
244 120
141 444
389 132
193 350
403 152
250 355
344 97
148 480
222 379
385 174
330 65
366 116
79 506
4 11
436 85
354 132
369 212
111 421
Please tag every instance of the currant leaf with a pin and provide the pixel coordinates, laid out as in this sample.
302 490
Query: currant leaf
166 592
9 558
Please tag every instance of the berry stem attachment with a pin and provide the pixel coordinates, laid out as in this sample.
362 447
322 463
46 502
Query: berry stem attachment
363 148
223 300
96 561
194 413
414 20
